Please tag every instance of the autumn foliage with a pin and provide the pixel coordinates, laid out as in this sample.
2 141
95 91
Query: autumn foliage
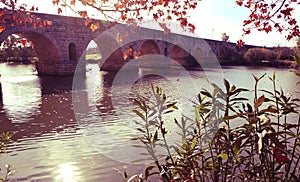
264 15
135 11
268 16
13 14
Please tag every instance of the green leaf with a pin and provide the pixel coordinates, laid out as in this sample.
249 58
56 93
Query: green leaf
206 93
237 146
155 137
223 156
141 104
249 108
238 99
238 91
197 114
194 142
139 114
227 85
171 104
147 171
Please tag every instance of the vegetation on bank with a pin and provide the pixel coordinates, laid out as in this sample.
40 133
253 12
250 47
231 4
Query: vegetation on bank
265 146
17 49
259 56
279 57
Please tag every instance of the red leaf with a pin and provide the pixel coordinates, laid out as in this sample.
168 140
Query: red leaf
183 22
83 14
155 16
257 23
239 2
164 27
32 45
248 31
94 27
2 28
240 43
254 16
259 102
292 22
32 8
23 42
59 10
55 1
273 5
268 29
247 22
281 158
287 11
249 3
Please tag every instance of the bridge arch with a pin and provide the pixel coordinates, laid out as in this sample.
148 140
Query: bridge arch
45 46
177 52
111 52
199 53
149 47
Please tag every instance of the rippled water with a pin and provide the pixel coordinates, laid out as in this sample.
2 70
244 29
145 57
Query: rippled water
54 144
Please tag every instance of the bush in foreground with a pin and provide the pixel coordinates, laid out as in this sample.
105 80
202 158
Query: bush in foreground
264 147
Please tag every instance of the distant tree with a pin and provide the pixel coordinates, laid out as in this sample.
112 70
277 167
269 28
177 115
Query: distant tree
225 37
285 53
16 48
256 55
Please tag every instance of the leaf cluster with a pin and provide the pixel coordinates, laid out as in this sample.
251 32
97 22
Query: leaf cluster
231 138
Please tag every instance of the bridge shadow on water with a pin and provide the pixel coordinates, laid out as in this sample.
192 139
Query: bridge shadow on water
52 109
51 117
50 112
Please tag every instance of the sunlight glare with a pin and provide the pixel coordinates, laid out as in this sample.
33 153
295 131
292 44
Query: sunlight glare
67 172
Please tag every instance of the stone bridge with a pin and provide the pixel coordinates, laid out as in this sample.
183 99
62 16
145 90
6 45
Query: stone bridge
60 45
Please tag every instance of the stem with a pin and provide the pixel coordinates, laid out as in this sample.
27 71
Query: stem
278 121
277 104
283 2
255 100
293 153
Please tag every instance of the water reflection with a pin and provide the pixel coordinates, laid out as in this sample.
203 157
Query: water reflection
34 105
19 100
67 172
49 138
55 84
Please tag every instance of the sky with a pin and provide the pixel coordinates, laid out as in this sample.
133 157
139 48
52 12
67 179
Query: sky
211 18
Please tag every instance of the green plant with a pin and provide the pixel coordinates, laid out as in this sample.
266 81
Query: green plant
231 138
5 140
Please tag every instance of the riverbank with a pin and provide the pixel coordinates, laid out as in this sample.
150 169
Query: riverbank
264 63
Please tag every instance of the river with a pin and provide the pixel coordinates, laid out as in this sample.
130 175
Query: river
51 143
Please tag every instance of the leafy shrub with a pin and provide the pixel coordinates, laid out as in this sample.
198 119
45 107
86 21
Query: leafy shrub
5 140
256 55
265 147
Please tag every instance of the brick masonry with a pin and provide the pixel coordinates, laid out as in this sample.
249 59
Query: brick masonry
52 44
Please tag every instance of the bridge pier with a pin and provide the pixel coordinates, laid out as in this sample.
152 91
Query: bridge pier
61 68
